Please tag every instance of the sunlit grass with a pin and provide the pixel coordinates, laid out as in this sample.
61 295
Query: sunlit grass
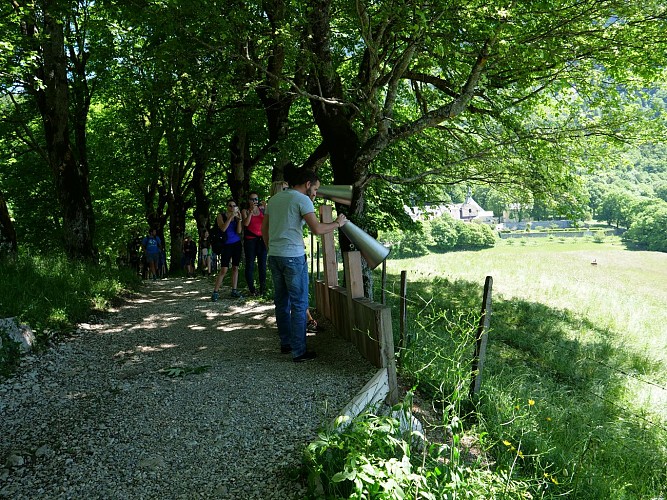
624 291
53 293
579 328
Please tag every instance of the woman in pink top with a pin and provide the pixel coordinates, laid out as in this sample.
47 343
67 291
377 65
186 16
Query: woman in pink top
253 243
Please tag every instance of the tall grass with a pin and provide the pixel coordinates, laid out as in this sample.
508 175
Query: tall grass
573 399
52 293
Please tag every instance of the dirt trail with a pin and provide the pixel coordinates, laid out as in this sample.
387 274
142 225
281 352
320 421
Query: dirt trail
98 416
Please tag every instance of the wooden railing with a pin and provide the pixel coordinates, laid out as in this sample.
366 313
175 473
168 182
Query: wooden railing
364 323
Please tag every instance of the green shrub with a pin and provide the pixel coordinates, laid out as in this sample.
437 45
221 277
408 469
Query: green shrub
649 228
52 293
405 244
471 235
443 232
374 459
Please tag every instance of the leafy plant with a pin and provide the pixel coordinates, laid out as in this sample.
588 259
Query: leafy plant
405 244
10 354
52 293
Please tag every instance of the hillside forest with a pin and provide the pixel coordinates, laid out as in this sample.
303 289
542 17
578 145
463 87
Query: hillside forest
116 116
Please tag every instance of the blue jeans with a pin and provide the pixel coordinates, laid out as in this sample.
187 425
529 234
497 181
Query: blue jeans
290 283
255 249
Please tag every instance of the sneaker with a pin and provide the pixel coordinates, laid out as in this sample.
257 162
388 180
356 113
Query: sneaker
215 296
306 356
236 294
285 349
311 327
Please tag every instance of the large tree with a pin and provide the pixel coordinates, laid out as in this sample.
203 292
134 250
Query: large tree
47 62
464 81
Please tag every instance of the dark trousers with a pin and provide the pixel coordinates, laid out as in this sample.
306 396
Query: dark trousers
255 250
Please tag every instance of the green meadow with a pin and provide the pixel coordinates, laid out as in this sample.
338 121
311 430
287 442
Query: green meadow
574 392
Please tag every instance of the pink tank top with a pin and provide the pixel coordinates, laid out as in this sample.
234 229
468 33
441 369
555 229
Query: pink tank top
254 229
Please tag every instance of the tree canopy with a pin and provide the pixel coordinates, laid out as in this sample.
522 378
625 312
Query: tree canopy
153 112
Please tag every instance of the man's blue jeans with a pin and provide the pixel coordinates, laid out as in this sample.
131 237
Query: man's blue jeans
290 283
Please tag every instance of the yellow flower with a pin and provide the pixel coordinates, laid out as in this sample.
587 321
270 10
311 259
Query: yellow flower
531 402
548 419
506 442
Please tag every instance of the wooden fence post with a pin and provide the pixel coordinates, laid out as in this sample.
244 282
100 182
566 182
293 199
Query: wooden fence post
354 285
329 263
481 341
329 249
383 297
402 341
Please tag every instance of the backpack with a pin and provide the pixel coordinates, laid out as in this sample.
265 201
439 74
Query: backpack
218 238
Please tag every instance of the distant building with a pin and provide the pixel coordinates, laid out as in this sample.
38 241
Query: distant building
467 211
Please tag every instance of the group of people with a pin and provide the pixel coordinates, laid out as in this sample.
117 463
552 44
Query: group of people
273 233
270 235
243 235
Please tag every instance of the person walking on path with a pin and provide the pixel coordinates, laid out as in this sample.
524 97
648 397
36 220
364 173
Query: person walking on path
230 222
253 243
152 244
189 255
282 231
205 252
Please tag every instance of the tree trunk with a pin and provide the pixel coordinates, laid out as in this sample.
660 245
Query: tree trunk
177 195
202 212
177 232
201 158
70 174
8 243
334 120
238 178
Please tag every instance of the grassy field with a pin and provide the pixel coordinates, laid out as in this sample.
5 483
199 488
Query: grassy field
574 396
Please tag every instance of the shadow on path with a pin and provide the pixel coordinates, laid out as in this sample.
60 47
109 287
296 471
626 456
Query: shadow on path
99 417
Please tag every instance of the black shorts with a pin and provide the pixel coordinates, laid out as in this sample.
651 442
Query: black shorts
231 252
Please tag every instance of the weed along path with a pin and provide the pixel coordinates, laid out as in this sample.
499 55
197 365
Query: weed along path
171 396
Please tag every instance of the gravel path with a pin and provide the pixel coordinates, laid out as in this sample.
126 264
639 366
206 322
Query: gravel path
97 416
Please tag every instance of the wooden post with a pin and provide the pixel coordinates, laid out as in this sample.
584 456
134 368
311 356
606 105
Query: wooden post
386 337
482 339
329 249
355 287
329 263
403 310
311 282
312 257
384 282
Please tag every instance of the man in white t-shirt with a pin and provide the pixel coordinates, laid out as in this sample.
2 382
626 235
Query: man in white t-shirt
282 230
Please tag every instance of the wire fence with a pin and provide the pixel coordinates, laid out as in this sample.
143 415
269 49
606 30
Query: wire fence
422 303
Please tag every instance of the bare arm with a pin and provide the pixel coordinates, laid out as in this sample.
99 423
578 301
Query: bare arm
318 227
222 223
246 217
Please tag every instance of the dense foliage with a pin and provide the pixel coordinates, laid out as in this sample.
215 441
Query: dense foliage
117 115
442 234
649 228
